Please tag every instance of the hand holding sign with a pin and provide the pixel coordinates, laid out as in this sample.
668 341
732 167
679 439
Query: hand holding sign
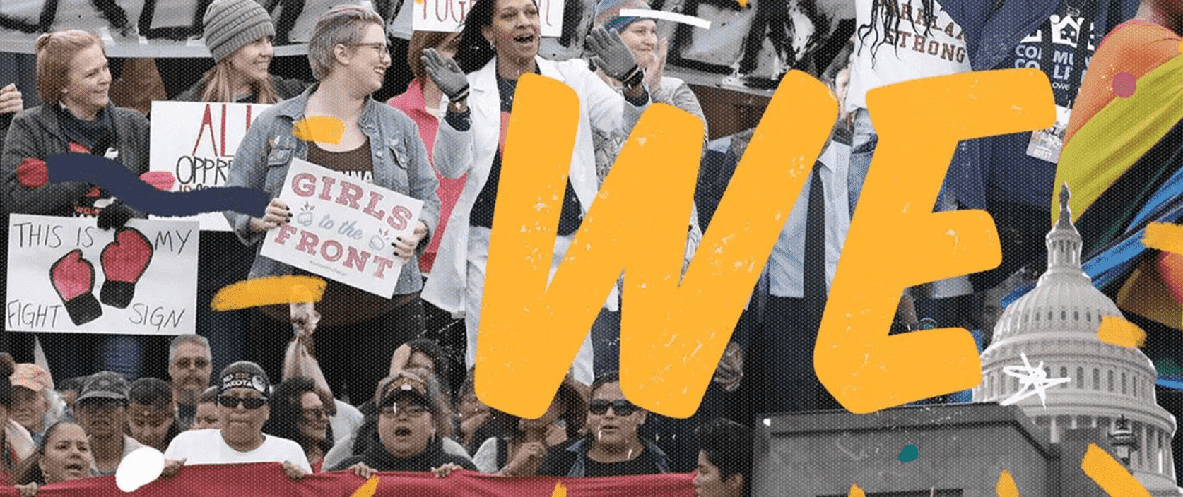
344 229
277 213
404 246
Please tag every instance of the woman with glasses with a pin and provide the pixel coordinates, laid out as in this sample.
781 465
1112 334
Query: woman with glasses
408 438
242 405
524 442
612 446
378 145
298 414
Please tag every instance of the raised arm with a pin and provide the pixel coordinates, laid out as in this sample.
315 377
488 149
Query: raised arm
452 151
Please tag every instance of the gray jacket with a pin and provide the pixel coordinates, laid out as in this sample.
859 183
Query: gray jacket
35 133
399 164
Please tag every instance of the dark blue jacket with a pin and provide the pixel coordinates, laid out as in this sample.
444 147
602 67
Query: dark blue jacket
993 28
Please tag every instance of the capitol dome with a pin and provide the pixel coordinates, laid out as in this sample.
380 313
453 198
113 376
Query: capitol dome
1054 328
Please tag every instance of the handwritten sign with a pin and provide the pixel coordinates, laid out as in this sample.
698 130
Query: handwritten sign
448 15
196 144
342 228
67 275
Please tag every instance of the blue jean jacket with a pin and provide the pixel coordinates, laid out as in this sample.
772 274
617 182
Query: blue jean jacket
399 164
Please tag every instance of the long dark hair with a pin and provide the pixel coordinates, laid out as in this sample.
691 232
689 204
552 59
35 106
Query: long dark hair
286 410
475 51
889 11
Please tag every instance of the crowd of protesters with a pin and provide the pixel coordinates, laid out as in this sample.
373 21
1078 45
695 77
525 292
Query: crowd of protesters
368 385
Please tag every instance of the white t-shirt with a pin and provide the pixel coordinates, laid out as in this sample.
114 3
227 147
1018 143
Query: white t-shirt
909 54
347 420
208 447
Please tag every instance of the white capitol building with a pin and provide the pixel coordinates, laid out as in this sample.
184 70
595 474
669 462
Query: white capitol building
1056 323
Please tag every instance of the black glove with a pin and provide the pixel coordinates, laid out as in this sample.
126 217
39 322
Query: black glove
114 215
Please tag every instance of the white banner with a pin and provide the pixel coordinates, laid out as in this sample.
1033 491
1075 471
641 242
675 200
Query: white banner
195 143
342 228
448 15
148 28
67 275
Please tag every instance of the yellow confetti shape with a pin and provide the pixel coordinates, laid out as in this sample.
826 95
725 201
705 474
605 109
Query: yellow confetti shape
1006 485
856 492
267 291
1164 236
560 490
1115 330
367 489
321 129
1110 475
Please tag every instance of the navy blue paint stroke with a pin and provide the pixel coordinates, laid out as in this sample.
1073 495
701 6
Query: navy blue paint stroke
141 196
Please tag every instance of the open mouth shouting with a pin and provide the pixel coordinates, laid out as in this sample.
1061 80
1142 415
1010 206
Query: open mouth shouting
76 469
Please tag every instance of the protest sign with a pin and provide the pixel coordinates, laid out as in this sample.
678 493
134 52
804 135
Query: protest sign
342 228
67 275
195 142
448 15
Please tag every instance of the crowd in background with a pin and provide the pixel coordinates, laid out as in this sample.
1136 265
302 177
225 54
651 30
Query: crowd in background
374 384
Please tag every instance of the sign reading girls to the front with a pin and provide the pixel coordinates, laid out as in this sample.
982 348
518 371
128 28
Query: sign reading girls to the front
342 228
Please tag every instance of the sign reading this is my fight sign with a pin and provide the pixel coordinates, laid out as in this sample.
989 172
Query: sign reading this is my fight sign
342 228
195 143
67 275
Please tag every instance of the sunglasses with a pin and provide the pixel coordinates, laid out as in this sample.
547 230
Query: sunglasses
411 409
248 402
620 407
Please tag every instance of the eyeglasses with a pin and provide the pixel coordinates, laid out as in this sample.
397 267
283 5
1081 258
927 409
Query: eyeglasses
379 46
248 402
620 407
314 414
411 409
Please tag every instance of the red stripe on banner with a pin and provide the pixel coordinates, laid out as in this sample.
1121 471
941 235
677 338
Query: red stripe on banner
268 480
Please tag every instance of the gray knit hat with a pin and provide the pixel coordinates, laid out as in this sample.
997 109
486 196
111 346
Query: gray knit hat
230 24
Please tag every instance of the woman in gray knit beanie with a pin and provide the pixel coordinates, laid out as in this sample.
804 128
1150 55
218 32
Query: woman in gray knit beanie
238 33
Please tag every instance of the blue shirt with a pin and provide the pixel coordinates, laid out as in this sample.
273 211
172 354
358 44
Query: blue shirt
786 264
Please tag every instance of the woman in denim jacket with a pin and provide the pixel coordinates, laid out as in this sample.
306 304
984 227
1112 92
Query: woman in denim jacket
348 55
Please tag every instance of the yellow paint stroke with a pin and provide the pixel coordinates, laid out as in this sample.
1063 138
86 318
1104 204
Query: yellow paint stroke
560 490
744 3
673 335
1115 330
856 492
920 123
367 489
267 291
1006 485
1164 236
1110 475
320 129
